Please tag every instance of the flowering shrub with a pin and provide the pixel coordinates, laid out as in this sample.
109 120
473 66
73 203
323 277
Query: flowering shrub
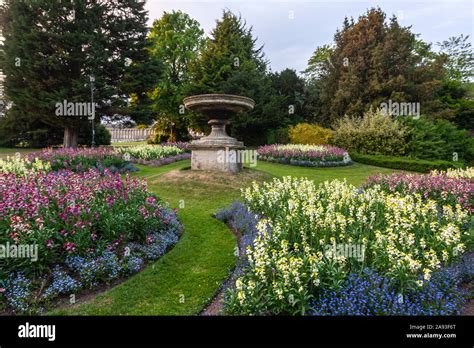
150 152
94 226
305 133
305 155
440 186
22 166
83 159
299 251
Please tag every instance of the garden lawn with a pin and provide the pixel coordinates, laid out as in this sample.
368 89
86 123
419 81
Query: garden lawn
185 280
355 173
9 151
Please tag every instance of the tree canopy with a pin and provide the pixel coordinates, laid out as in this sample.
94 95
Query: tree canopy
175 39
50 52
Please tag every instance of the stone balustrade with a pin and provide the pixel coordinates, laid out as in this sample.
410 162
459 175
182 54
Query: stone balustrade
130 134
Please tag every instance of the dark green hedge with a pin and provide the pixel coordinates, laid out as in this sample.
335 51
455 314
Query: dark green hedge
403 163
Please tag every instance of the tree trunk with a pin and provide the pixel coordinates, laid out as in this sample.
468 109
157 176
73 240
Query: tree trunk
70 137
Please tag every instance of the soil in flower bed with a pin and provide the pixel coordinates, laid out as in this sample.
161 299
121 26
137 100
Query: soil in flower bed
468 308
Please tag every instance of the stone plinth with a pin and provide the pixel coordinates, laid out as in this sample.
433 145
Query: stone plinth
216 158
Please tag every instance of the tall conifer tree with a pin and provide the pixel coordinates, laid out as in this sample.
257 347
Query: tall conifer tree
52 48
232 63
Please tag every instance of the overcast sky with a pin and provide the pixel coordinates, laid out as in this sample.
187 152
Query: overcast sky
290 30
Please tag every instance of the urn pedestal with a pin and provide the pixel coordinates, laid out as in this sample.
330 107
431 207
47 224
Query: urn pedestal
217 151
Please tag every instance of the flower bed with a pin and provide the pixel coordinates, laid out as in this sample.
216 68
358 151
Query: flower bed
80 229
305 155
118 159
440 186
372 293
151 152
83 159
460 173
163 161
179 144
317 247
23 166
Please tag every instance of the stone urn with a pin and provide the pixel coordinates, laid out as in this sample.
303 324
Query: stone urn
217 151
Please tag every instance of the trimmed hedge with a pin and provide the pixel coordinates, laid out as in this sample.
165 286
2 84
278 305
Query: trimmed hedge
403 163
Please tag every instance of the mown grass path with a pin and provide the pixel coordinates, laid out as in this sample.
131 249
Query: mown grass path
185 280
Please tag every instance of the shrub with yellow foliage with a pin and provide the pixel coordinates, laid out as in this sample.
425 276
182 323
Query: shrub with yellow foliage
312 134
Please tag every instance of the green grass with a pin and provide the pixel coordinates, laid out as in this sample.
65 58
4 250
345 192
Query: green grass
11 151
354 174
194 269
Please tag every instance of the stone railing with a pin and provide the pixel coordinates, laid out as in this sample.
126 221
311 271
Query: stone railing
130 134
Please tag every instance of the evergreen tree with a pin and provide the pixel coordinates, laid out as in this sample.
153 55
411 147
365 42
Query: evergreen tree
50 52
454 99
232 63
290 89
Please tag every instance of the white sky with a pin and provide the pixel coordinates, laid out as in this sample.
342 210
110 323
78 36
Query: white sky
290 30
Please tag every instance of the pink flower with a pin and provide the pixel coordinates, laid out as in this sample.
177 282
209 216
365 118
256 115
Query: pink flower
15 219
70 247
444 189
150 200
144 212
15 236
49 243
149 239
